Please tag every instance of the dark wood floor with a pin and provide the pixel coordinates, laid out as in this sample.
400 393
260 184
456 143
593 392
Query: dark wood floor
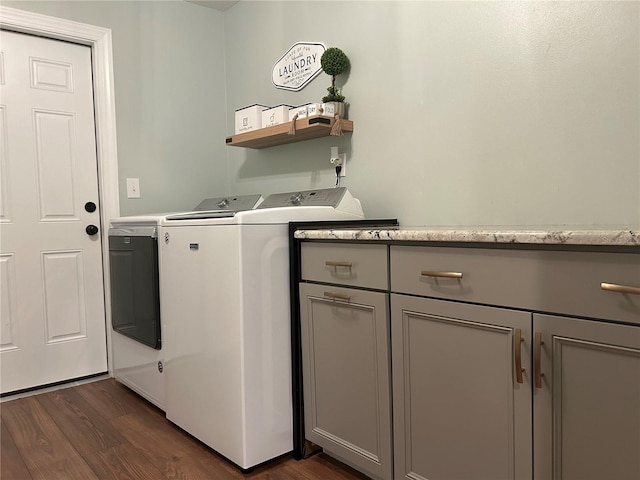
102 430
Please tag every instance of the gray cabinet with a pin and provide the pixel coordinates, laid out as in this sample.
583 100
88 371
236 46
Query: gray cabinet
345 359
583 385
460 409
586 399
506 363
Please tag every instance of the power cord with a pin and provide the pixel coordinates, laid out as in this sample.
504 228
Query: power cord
337 163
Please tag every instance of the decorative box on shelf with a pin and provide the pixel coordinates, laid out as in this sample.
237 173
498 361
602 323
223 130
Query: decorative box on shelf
249 118
275 115
300 111
314 109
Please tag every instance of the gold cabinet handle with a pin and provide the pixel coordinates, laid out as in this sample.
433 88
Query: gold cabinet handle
337 296
537 353
518 355
613 287
329 263
430 273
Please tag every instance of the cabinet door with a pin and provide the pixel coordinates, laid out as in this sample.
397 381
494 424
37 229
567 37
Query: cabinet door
587 403
345 336
459 410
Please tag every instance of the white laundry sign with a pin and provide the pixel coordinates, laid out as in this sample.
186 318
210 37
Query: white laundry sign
298 66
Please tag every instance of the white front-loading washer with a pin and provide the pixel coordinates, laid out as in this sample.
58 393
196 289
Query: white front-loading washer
137 352
224 293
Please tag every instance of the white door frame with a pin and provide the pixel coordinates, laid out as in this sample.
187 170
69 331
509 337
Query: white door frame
99 40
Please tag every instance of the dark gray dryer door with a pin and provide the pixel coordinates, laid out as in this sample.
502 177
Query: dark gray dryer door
135 298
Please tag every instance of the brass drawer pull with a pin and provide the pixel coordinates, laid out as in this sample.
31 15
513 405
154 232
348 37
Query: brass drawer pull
537 353
329 263
612 287
337 296
518 355
429 273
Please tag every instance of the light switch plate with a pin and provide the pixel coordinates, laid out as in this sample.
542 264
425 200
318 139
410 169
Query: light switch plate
133 188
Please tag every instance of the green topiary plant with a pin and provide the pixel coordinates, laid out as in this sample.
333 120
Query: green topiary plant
334 62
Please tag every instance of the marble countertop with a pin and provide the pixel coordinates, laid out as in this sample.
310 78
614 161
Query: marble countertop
510 235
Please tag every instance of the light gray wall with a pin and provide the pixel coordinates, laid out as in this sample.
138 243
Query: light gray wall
465 113
170 96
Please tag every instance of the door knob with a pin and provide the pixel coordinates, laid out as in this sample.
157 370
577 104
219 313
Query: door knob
90 207
91 229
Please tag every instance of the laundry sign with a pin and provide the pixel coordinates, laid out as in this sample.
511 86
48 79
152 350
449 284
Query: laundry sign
298 66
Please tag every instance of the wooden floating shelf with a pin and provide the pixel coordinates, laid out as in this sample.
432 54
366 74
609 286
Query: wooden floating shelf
306 129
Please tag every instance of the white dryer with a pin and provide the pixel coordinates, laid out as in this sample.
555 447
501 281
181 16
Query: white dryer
138 356
224 289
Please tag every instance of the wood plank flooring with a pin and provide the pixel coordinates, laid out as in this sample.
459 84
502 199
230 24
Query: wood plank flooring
102 430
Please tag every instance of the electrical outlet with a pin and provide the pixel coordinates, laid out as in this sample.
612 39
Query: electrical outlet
133 188
339 159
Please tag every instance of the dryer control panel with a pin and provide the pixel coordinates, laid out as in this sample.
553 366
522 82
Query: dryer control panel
220 207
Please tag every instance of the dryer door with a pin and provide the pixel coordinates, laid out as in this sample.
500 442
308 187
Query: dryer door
135 299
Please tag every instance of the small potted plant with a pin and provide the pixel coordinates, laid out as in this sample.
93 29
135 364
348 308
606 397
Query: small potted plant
334 62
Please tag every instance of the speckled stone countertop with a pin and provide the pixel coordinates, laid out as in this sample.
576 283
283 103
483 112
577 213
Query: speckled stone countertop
620 237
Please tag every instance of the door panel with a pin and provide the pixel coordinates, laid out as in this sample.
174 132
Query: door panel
5 210
8 336
587 409
53 320
64 302
459 411
54 133
51 75
346 375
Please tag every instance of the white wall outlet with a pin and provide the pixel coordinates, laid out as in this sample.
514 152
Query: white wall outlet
334 154
339 159
133 188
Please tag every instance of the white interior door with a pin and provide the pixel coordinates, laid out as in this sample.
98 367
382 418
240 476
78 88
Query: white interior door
51 284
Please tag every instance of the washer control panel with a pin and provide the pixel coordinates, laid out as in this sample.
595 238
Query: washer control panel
236 203
327 197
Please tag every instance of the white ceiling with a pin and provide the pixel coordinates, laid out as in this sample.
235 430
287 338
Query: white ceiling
216 4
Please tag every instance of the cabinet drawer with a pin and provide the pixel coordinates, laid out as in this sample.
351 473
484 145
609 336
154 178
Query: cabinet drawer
346 264
548 281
